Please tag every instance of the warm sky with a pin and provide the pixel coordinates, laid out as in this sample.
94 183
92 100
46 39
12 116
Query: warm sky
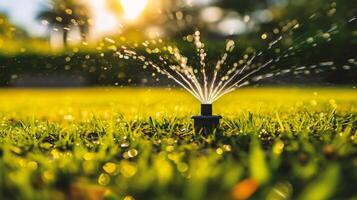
24 12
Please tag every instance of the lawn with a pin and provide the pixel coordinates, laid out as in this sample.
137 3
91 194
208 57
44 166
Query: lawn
106 143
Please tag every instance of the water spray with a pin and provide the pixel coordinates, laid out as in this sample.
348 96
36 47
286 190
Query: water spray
209 83
206 123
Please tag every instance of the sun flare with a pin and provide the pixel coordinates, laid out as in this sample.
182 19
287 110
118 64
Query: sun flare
133 8
104 21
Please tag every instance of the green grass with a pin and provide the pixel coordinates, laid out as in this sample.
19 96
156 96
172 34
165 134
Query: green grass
105 143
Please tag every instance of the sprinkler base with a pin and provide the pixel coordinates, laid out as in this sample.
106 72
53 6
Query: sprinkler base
206 124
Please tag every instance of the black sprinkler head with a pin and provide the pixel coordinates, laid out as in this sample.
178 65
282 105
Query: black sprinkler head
206 123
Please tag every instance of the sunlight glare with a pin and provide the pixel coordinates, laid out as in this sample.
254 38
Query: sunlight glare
133 8
104 21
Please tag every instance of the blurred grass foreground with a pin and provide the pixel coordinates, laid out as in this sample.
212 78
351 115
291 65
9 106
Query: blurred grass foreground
106 143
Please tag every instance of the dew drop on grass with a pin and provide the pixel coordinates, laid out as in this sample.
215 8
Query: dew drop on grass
110 167
132 153
219 151
103 179
128 198
125 144
227 147
281 190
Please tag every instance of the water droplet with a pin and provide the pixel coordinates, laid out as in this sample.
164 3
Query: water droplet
264 36
132 153
310 40
219 151
104 179
110 167
128 198
346 67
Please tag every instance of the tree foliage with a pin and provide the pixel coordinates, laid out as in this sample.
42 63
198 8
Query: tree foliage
66 14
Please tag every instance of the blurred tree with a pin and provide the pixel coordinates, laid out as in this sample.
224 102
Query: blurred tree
243 6
4 25
317 13
65 14
9 30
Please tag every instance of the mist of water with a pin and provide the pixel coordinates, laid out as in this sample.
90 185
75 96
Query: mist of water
207 82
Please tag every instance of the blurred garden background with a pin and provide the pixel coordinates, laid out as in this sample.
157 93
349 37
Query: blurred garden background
73 42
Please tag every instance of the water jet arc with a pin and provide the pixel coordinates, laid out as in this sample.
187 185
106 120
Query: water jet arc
206 123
